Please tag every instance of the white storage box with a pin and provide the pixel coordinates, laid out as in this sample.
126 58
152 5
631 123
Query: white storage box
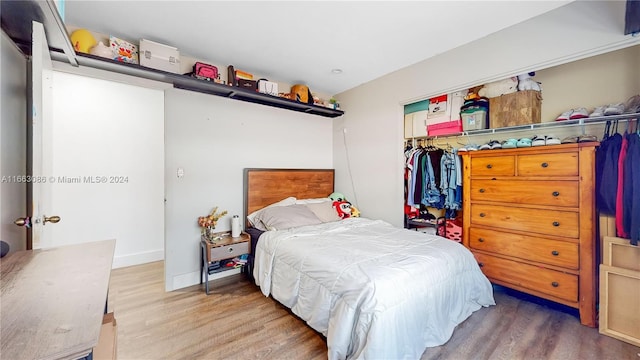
159 56
268 87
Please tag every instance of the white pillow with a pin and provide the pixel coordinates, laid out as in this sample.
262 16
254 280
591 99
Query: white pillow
284 202
324 211
313 201
285 217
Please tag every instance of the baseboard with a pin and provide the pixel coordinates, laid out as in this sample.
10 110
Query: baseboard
137 259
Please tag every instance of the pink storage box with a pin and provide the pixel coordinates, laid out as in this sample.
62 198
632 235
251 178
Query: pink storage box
445 128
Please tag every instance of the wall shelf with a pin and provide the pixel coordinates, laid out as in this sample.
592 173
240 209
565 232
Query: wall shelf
544 125
16 22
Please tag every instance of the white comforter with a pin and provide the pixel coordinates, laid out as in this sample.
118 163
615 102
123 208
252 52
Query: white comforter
374 290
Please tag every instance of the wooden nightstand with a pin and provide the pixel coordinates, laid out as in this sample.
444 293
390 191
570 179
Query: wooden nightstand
225 248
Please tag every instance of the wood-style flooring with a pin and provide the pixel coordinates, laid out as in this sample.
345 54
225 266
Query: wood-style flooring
237 322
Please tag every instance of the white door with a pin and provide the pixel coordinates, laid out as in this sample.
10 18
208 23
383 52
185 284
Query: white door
13 142
39 150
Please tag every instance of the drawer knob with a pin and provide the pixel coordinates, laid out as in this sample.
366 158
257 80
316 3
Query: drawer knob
480 239
481 190
489 166
555 193
556 224
483 214
544 165
555 284
555 253
230 249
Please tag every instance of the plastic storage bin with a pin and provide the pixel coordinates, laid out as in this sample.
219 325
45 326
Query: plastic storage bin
474 119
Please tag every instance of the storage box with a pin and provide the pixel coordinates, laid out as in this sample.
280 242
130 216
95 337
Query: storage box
445 128
107 347
518 108
268 87
123 51
247 84
159 56
474 119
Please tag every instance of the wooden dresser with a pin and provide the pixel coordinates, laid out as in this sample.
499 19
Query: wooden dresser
529 219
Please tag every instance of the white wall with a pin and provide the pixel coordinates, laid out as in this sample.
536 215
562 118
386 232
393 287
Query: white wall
105 128
13 146
212 139
374 111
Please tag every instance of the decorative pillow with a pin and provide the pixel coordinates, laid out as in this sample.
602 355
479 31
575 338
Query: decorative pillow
312 201
324 211
285 217
284 202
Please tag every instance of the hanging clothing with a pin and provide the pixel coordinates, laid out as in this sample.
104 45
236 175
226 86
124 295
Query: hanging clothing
631 216
620 188
607 191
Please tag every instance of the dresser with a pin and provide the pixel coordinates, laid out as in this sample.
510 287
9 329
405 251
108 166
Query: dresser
529 219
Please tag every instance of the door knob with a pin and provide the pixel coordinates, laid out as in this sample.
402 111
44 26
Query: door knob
52 219
24 221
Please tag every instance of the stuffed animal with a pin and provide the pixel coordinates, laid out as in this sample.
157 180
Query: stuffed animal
525 82
472 94
343 208
497 88
82 40
336 196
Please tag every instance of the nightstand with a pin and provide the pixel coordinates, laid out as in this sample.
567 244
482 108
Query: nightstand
212 254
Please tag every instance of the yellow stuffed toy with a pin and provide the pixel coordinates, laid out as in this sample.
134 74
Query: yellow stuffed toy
82 40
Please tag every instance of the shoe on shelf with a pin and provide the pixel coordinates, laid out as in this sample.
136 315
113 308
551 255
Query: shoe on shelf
552 140
632 105
587 138
579 113
510 144
614 109
485 147
469 147
524 142
538 141
570 140
598 111
565 115
495 144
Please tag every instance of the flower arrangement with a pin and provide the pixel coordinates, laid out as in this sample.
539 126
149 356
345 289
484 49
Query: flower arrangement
208 222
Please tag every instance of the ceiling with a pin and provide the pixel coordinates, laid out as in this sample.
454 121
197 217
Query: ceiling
303 41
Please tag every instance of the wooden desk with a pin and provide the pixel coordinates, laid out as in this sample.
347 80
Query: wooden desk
52 300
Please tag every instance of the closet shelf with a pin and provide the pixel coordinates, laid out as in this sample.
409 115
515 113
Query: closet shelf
186 82
545 125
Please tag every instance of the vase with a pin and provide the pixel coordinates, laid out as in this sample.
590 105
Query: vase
208 232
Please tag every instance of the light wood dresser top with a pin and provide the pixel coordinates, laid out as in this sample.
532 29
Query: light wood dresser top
52 300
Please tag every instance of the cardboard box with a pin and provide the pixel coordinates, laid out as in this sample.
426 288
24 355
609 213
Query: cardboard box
158 56
123 51
268 87
518 108
107 347
445 128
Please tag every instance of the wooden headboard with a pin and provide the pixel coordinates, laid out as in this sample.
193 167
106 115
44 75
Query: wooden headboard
263 187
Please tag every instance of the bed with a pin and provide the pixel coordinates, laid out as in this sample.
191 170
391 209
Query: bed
373 290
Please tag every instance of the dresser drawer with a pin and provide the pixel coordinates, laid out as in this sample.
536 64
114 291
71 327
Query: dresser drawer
548 222
493 166
562 164
554 193
554 283
547 251
229 251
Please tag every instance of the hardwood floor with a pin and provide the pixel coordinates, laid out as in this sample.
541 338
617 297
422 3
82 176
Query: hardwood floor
237 322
